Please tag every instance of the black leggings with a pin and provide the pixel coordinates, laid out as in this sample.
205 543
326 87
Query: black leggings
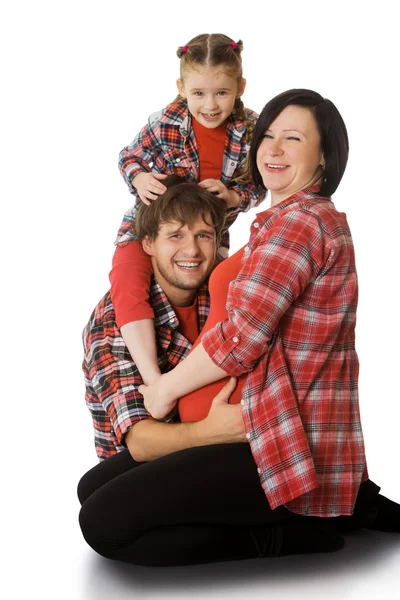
199 505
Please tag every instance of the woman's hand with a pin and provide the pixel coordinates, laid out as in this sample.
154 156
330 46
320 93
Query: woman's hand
215 186
149 186
157 401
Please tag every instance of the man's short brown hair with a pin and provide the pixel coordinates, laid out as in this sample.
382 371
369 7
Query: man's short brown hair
182 202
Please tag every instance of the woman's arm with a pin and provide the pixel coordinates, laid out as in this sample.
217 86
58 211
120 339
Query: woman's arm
192 373
276 272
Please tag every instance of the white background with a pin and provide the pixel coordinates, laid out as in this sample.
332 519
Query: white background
78 81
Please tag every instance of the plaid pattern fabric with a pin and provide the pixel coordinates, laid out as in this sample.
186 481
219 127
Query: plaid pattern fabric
167 144
112 379
292 316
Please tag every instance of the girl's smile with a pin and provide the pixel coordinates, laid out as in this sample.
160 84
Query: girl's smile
210 94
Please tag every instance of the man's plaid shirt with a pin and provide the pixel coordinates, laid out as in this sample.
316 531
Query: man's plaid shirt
291 322
167 144
112 379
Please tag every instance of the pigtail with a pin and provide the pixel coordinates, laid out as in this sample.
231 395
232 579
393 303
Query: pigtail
182 50
237 47
241 115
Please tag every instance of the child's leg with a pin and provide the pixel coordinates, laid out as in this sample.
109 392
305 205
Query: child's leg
130 286
140 339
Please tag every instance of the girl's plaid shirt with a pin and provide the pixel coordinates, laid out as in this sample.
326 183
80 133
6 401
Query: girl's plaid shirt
291 324
112 379
167 144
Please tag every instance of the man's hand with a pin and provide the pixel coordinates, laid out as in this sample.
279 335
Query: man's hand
149 186
149 439
215 186
224 422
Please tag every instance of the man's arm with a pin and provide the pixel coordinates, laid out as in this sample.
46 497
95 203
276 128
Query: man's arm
149 439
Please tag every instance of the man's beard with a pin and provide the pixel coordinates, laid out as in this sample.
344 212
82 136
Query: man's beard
175 280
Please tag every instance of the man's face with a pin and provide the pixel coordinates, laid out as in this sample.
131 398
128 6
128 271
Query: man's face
182 257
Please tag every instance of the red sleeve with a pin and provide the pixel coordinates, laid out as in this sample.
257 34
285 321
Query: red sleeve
130 283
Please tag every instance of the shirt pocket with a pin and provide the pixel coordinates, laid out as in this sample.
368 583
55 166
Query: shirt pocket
176 162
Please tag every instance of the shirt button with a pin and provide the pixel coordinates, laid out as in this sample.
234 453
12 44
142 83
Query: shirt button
235 339
242 402
258 470
232 164
248 436
256 224
246 248
178 160
172 319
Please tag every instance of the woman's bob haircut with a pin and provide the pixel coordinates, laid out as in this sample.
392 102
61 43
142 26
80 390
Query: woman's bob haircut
334 140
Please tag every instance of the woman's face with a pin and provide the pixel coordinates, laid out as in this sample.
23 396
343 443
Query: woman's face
289 157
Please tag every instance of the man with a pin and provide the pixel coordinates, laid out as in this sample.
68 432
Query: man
180 233
173 493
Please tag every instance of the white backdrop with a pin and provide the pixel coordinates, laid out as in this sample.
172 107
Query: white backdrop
79 80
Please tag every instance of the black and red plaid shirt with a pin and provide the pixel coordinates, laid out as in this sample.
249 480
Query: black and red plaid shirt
167 144
112 378
291 325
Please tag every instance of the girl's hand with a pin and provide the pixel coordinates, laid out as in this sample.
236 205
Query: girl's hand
215 186
149 186
156 400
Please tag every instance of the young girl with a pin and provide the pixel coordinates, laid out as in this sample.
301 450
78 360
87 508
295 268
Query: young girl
203 136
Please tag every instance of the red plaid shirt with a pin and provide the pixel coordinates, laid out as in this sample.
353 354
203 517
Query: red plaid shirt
112 379
291 322
167 144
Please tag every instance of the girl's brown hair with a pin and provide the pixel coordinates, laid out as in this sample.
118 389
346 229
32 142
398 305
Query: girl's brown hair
216 50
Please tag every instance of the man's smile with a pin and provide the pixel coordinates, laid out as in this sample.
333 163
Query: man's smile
188 265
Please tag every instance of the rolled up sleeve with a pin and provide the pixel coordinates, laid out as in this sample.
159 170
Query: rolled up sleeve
140 154
276 270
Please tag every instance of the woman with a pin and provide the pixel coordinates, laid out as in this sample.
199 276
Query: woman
291 318
290 325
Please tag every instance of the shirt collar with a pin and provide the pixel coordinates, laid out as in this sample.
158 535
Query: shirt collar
307 194
164 314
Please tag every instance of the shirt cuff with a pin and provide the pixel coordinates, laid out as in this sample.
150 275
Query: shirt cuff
221 345
131 174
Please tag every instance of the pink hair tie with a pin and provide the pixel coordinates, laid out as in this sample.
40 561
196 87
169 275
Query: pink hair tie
185 48
234 45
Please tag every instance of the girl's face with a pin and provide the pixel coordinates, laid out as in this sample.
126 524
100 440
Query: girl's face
290 157
210 94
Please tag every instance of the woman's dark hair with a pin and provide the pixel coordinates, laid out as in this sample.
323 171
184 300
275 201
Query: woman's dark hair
183 202
334 140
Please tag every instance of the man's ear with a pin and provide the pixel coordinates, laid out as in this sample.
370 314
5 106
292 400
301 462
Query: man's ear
241 88
147 245
181 88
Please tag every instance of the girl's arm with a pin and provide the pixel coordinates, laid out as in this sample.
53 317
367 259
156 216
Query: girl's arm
130 288
140 339
247 196
138 156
